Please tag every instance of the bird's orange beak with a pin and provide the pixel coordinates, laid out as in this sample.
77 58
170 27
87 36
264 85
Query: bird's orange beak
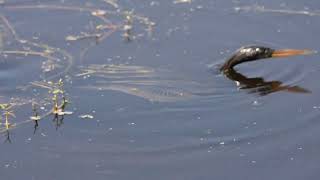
291 52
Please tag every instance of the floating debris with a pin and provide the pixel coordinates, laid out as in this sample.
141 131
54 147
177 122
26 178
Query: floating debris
86 116
98 12
181 1
72 38
80 37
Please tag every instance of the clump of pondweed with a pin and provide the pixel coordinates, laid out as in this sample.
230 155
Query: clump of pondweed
36 117
59 102
7 112
58 99
58 94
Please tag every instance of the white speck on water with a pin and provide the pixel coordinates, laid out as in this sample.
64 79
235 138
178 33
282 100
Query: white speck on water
22 41
181 1
131 124
222 143
86 116
199 7
256 103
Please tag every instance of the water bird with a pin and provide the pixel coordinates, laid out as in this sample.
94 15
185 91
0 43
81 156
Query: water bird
258 84
254 53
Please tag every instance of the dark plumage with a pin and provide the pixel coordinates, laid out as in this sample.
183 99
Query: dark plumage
258 84
254 53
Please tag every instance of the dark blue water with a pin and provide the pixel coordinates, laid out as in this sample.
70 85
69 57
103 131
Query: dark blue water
157 106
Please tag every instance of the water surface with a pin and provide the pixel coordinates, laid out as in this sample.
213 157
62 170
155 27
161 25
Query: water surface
153 105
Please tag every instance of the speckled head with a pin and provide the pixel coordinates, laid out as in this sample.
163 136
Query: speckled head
247 53
251 53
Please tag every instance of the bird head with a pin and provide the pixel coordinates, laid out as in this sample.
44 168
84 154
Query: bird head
253 53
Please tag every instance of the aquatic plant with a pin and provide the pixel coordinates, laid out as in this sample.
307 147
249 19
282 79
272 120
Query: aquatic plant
7 112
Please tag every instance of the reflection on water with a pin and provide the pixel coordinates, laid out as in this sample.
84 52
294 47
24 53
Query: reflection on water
260 86
7 137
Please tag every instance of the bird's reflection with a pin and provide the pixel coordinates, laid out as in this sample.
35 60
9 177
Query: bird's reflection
260 86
